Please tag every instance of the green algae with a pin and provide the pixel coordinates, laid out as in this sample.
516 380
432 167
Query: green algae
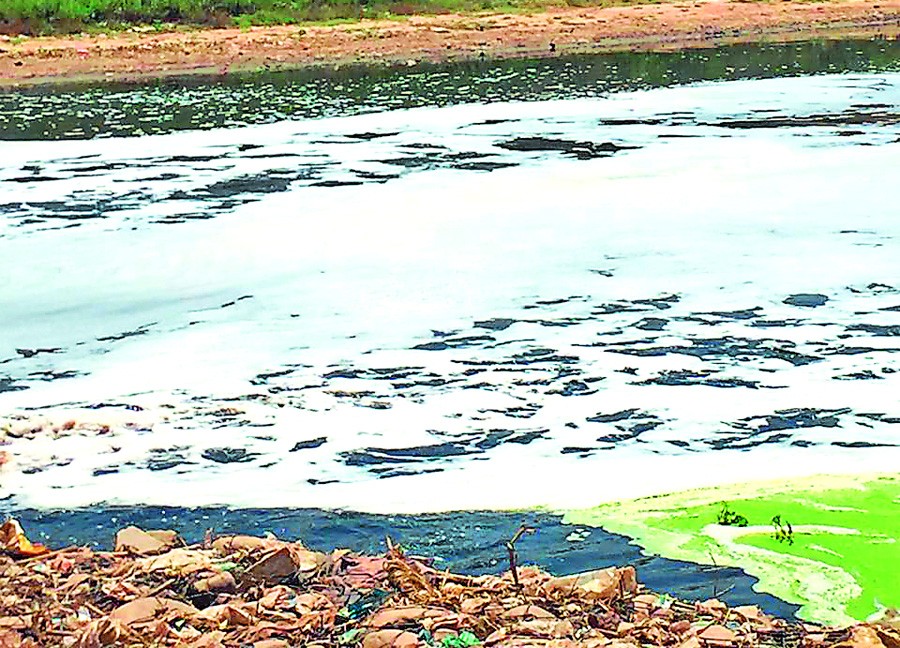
843 564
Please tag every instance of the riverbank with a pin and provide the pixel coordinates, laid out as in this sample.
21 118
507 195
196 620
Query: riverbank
141 55
272 593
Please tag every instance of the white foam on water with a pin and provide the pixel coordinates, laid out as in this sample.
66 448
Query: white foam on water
354 278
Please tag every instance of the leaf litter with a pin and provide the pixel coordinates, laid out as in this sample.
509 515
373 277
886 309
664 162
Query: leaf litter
238 590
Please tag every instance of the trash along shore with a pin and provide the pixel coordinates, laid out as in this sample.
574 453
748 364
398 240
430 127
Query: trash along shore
239 590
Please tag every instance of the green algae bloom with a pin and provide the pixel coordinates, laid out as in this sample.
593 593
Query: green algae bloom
843 563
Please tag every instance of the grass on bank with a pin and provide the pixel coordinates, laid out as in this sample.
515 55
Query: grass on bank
33 17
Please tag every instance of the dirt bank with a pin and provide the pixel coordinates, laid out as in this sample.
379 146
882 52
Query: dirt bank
668 25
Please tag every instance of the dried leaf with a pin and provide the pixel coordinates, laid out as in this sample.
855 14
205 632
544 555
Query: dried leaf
143 543
14 542
230 544
528 612
600 584
148 608
272 568
716 635
402 616
221 582
862 637
182 561
390 639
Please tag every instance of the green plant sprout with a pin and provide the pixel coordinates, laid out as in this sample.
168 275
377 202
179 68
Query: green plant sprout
783 530
461 640
727 517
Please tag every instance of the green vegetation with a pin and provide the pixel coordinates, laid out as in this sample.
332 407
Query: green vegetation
60 16
727 517
838 557
784 532
464 639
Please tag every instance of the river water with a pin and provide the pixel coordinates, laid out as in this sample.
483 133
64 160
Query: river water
516 285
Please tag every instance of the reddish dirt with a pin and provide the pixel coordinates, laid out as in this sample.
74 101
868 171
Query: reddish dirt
667 25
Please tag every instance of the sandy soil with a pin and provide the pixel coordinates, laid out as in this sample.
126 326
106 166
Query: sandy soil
137 54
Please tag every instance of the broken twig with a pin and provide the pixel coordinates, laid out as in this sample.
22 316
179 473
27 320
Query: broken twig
511 548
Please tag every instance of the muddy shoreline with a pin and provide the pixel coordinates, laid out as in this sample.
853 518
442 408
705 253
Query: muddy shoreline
140 55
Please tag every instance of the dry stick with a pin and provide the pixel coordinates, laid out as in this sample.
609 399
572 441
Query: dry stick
93 608
44 556
160 588
715 574
511 548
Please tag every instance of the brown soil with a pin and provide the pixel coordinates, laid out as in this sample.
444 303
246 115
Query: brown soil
667 25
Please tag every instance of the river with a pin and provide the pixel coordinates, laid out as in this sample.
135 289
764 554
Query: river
472 287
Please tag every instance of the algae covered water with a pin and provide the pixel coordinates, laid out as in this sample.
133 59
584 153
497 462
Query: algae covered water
503 287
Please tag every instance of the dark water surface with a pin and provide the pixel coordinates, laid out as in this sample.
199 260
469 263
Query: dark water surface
109 110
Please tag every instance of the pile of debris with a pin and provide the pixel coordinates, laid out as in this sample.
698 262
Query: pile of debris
152 590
